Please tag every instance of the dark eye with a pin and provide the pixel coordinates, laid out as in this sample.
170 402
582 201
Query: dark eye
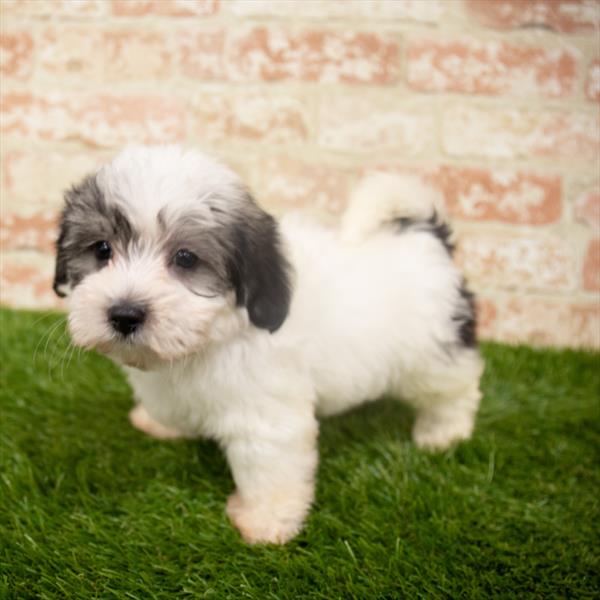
185 259
102 250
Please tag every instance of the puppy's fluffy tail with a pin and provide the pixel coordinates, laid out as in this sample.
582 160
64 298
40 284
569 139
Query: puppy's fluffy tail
380 199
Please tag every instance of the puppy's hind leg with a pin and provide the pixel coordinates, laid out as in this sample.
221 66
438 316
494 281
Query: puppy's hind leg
446 403
446 421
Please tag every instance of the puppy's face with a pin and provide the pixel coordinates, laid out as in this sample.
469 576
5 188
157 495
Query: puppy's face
164 251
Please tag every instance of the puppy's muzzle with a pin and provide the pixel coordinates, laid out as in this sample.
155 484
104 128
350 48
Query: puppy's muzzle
126 318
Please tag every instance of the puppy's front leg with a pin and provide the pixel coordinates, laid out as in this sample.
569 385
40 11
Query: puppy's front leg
273 467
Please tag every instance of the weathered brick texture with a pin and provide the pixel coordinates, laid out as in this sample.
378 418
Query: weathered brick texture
587 208
494 103
592 84
16 55
250 117
284 183
472 66
65 9
80 54
568 16
591 267
93 119
278 54
202 54
360 122
541 321
509 261
496 194
520 133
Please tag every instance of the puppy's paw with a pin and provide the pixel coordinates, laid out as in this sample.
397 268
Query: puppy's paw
140 419
263 523
431 434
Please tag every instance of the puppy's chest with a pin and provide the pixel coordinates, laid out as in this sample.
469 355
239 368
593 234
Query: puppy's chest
218 394
182 400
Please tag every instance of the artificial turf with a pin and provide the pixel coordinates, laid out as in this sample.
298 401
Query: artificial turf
91 508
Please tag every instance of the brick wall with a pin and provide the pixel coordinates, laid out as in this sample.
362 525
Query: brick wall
495 102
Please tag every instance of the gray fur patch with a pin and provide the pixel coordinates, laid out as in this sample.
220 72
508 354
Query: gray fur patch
87 218
208 241
238 247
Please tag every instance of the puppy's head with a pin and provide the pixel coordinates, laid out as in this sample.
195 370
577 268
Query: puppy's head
164 251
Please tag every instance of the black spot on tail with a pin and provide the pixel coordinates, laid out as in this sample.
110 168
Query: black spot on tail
465 317
434 225
441 230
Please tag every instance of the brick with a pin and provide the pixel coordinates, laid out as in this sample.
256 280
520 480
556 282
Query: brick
203 54
98 120
509 261
369 122
164 8
72 51
508 196
35 231
423 11
36 179
572 324
16 55
134 54
544 321
44 117
486 317
494 133
107 120
273 54
567 16
26 280
592 83
467 65
283 184
587 208
91 53
247 116
591 267
477 194
53 8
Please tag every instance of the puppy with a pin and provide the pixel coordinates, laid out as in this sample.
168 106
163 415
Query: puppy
236 327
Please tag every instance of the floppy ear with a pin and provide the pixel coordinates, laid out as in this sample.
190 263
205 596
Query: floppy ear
260 271
81 200
61 274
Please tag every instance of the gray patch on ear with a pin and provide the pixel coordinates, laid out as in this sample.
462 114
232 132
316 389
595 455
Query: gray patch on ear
61 284
258 268
239 248
86 219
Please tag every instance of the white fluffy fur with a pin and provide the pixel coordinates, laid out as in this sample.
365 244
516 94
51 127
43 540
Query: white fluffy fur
371 314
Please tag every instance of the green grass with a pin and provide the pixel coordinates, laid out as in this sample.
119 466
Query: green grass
91 508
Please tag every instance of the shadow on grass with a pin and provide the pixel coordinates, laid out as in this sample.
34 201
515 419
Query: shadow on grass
366 425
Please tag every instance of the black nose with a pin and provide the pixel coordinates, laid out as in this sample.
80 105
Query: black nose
126 318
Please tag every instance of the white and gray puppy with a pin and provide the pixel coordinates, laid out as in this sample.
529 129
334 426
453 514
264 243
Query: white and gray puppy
236 327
